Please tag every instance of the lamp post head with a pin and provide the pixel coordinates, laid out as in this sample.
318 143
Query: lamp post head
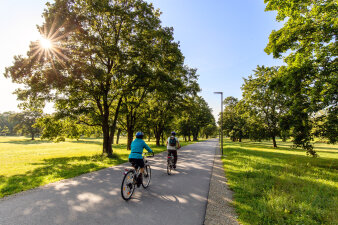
218 92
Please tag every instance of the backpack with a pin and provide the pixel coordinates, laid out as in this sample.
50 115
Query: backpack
172 141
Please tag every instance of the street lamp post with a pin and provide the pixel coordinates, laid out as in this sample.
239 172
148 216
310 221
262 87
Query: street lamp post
219 92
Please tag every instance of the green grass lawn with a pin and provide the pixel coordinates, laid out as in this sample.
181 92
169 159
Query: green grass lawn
26 164
283 185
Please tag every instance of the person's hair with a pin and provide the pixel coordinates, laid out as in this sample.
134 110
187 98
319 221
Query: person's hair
173 133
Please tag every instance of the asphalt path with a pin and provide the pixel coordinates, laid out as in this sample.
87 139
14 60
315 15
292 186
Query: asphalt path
94 198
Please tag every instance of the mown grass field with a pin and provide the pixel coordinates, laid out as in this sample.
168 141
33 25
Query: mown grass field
283 185
26 164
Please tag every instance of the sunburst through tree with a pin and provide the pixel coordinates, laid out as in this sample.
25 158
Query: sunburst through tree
48 47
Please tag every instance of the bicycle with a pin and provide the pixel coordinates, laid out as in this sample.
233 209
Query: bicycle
130 178
170 163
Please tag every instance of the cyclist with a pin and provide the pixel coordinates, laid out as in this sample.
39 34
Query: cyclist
172 145
135 156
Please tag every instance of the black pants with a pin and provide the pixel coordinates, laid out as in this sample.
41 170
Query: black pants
174 153
137 163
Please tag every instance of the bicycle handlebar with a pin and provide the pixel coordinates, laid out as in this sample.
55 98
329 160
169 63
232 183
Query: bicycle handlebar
148 154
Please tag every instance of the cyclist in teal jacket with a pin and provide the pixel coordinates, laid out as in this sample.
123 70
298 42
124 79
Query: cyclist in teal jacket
135 156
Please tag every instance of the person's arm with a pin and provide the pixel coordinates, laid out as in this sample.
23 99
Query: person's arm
147 147
178 144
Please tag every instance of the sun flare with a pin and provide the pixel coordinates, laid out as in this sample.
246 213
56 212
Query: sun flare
49 47
45 43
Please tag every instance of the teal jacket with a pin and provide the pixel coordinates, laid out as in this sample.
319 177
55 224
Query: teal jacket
137 147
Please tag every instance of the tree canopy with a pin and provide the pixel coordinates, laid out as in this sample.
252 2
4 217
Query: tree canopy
107 62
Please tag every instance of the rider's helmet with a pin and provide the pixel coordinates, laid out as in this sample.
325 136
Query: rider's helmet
139 134
173 133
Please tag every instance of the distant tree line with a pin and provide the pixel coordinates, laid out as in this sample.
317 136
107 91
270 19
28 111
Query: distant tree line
22 123
112 69
299 99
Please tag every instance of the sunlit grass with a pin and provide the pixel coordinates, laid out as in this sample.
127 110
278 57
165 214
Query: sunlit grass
26 164
282 186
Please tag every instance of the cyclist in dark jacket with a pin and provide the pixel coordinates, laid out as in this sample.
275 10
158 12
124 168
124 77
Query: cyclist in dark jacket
172 145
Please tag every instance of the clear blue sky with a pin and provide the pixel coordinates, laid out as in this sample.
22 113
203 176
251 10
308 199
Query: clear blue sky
223 39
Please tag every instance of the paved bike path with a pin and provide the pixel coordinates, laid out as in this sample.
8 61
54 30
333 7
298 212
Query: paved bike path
95 198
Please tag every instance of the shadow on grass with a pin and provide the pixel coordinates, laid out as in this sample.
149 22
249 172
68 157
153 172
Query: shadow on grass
288 148
54 169
80 141
27 142
281 188
318 149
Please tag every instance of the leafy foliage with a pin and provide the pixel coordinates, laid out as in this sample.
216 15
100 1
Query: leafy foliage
310 78
108 60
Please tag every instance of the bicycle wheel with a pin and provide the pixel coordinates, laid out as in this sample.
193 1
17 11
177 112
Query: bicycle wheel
146 176
128 186
169 166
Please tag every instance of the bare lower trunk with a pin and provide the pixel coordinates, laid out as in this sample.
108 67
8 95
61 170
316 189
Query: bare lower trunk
158 134
107 148
149 135
130 138
274 141
112 137
158 138
118 136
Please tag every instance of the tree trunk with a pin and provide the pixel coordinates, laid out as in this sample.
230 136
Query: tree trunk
195 136
131 121
162 137
158 130
118 135
113 128
274 141
107 148
112 136
130 139
149 135
158 138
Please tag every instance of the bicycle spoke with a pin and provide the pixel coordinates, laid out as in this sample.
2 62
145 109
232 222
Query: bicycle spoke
127 187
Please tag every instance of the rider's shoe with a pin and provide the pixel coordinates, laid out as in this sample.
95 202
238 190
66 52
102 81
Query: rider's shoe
174 166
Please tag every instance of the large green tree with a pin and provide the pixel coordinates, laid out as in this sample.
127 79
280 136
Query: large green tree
234 123
101 52
196 116
27 120
169 100
308 42
264 102
8 122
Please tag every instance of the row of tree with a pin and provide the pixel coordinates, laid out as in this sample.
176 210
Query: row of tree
298 99
111 65
12 123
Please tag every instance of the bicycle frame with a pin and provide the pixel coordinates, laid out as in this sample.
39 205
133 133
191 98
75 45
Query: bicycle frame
130 186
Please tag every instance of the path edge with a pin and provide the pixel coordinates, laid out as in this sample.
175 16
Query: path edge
219 209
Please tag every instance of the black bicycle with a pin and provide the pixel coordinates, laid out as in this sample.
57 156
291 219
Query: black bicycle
170 163
129 181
